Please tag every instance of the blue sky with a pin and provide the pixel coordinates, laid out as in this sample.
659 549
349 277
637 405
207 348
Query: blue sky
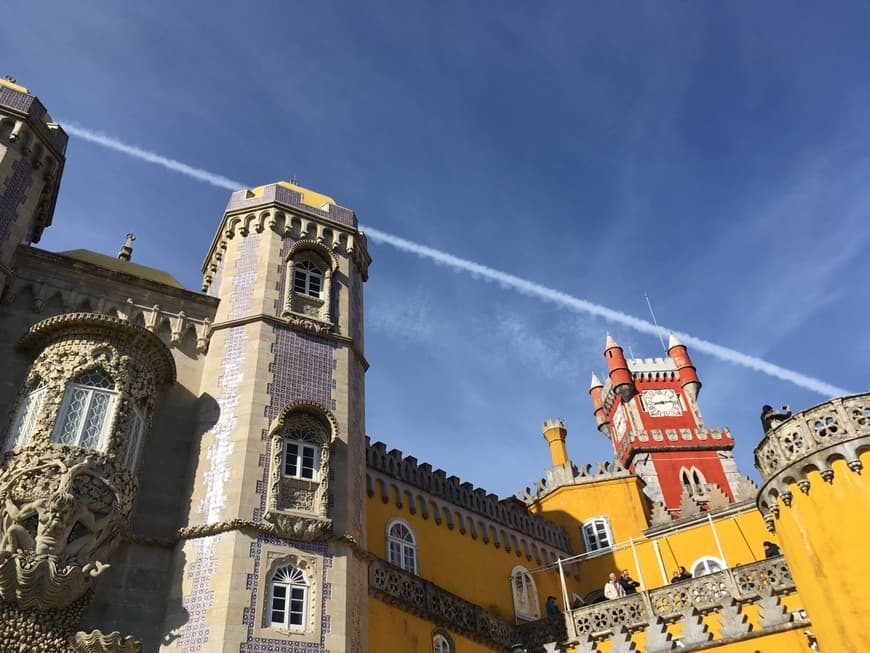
712 155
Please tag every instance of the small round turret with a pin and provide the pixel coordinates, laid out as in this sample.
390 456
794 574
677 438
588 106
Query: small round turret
688 374
620 376
595 389
555 433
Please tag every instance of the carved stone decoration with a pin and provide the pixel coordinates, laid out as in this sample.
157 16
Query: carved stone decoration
39 631
63 510
298 507
97 642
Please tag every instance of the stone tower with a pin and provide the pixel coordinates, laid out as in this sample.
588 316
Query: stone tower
271 552
648 408
32 151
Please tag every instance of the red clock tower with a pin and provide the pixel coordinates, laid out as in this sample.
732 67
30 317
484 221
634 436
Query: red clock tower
648 408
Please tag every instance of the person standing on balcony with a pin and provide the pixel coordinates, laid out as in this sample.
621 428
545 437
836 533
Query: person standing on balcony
629 585
613 589
551 607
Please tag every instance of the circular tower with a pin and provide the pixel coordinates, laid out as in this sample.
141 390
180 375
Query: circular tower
816 499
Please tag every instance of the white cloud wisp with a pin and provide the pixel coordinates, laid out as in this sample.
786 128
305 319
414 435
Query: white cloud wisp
477 270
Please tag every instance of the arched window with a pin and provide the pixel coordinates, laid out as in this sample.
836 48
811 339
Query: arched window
288 599
401 546
86 412
301 455
597 535
525 594
441 644
25 417
707 565
307 279
138 427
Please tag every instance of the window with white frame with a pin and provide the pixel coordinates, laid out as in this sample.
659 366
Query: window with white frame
301 455
138 426
25 417
707 565
525 594
597 535
441 644
307 279
402 546
288 599
86 412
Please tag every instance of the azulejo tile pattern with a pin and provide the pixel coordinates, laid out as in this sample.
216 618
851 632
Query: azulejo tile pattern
219 453
14 193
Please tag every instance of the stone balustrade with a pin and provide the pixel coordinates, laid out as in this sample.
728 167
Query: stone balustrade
687 609
811 440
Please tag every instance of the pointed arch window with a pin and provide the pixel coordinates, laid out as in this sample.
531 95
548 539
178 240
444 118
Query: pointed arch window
307 279
402 546
86 412
525 594
693 481
288 599
25 417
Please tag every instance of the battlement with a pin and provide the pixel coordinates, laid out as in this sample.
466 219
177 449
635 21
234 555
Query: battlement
642 365
292 196
27 105
506 512
553 423
557 477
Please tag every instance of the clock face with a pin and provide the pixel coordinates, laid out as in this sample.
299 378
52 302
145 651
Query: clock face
619 422
662 403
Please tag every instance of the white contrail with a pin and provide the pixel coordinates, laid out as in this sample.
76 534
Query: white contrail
481 271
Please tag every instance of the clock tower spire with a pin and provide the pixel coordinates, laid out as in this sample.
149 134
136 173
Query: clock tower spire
648 408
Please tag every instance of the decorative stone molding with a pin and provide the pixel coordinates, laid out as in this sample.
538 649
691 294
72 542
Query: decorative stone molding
435 483
810 440
39 631
97 642
298 507
135 359
686 608
63 511
429 601
562 475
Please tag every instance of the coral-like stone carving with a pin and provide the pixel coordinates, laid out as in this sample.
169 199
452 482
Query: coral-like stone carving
62 512
97 642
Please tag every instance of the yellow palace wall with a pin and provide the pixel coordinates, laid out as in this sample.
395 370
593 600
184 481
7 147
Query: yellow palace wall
621 501
478 572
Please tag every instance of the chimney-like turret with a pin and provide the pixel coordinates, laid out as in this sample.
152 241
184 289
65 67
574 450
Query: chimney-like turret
688 374
595 389
555 433
620 376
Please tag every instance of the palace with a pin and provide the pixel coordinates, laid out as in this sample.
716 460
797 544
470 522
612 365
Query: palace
188 470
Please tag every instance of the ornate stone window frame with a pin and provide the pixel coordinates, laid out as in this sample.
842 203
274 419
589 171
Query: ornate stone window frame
525 594
593 541
77 390
401 551
298 507
319 318
274 558
694 482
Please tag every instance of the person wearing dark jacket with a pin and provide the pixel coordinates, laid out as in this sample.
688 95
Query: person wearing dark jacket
628 583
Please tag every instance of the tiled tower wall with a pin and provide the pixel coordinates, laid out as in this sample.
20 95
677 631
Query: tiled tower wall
255 366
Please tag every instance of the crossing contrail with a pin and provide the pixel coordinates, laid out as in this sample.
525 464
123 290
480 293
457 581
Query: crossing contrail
504 279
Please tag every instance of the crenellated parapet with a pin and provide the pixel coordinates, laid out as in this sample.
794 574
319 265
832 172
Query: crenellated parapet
810 441
285 209
562 475
436 484
727 606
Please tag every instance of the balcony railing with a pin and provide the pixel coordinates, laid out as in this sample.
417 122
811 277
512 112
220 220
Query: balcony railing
689 603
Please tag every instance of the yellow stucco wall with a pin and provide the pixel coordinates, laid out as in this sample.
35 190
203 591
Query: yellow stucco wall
392 629
824 536
476 571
